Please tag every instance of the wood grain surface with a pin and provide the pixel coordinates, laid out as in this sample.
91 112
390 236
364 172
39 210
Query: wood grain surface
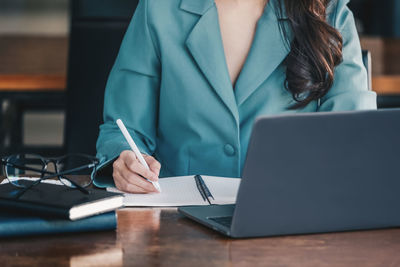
162 237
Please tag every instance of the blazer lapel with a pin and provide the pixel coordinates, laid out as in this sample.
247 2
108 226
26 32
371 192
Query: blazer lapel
205 45
267 52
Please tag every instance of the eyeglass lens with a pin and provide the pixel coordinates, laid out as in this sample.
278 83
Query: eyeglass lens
24 165
75 168
77 172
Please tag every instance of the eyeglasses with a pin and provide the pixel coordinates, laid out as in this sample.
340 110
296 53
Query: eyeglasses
72 170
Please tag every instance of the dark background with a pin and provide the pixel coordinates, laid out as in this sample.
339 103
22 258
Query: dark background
377 17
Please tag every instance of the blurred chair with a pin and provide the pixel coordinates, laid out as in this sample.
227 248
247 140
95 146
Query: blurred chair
384 101
23 93
97 29
388 101
366 57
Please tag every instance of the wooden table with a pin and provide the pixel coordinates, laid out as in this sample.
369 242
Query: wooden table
162 237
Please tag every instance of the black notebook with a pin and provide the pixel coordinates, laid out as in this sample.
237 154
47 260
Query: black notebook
52 200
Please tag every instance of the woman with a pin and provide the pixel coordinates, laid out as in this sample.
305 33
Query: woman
192 75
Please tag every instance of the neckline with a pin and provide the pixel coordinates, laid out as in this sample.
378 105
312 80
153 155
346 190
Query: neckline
264 15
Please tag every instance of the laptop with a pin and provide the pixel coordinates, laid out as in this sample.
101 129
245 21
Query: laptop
314 173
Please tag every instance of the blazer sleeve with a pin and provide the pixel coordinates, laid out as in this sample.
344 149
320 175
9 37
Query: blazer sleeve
350 88
131 94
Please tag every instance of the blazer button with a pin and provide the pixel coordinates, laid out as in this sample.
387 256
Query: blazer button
229 150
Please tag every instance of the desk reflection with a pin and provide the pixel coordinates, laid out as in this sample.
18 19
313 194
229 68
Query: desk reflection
173 242
359 248
57 249
138 233
108 257
163 237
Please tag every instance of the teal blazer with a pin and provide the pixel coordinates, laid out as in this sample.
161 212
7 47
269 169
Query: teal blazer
171 87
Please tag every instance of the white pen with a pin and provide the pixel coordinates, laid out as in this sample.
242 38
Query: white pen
135 149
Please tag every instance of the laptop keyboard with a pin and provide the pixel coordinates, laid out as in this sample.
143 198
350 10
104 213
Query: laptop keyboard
225 221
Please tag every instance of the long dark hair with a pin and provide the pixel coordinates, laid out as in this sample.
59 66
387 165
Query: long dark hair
315 50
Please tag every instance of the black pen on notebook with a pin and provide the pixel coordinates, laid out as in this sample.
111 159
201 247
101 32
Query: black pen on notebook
135 149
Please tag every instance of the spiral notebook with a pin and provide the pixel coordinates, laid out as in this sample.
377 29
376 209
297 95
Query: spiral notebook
187 191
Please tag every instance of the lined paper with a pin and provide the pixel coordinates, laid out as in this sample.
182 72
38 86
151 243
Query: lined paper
223 189
182 191
176 191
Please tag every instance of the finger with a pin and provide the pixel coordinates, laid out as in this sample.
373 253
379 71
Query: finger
124 186
116 164
138 181
129 157
127 187
135 189
118 180
117 183
138 168
154 165
115 173
132 178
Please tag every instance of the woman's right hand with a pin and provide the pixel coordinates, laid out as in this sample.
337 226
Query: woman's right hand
128 173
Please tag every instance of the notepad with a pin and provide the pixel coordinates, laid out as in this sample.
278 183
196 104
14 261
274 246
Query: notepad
185 191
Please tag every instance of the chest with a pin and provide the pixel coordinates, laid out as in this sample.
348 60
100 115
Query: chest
238 24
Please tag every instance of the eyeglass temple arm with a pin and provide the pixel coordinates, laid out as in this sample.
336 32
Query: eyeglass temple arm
29 187
25 168
80 188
